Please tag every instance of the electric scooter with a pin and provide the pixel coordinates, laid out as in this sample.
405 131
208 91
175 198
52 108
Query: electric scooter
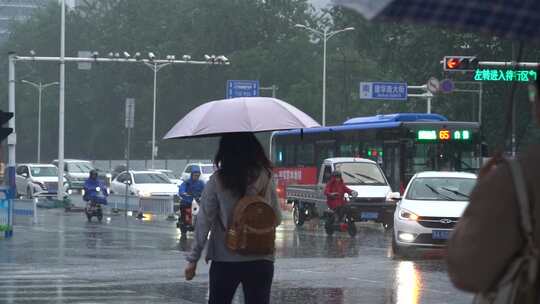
94 200
188 216
340 220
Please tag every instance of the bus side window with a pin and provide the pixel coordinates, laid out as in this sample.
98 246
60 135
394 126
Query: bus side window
326 174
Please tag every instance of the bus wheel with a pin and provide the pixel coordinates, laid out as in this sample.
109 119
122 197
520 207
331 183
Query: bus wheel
298 216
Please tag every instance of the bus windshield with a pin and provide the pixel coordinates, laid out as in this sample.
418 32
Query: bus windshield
356 173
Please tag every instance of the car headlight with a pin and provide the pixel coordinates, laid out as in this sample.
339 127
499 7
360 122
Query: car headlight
405 214
144 193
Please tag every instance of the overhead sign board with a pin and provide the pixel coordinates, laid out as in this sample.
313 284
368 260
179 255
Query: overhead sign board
130 113
505 75
242 88
84 65
383 90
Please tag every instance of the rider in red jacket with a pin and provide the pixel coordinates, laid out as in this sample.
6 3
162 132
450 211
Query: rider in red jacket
335 191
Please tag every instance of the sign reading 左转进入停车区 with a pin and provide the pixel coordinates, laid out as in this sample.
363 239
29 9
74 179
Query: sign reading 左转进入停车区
505 75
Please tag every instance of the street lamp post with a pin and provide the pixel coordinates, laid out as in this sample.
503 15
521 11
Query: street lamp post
155 67
40 87
325 35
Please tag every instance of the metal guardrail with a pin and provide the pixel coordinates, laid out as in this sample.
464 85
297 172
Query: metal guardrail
24 210
156 205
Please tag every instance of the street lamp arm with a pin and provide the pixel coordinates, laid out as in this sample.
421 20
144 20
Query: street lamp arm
332 34
50 84
36 85
310 29
40 85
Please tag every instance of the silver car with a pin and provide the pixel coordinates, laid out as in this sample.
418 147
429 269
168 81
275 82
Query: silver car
430 208
37 180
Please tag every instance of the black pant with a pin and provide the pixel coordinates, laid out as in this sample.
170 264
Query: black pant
256 278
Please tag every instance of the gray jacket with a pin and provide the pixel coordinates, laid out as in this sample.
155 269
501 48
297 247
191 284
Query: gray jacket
216 201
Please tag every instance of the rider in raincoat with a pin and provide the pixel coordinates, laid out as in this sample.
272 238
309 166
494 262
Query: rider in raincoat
192 188
90 189
335 193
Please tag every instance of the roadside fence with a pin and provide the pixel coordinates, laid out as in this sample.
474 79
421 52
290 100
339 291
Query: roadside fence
156 205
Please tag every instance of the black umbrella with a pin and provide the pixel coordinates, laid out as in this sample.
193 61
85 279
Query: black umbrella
514 19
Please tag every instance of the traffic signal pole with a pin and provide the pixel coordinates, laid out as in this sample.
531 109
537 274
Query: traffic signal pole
426 95
12 137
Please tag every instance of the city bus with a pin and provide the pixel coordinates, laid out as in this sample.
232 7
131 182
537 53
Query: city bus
402 144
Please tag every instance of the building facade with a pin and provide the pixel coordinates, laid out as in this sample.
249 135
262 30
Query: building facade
19 10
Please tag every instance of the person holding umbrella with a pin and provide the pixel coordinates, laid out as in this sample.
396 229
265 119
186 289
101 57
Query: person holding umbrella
244 172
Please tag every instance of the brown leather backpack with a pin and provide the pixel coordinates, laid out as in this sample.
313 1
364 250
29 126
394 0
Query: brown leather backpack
253 227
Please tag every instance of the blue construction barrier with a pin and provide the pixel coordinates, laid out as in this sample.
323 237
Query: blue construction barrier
6 214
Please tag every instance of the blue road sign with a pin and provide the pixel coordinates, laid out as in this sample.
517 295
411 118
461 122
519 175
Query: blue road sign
383 90
242 88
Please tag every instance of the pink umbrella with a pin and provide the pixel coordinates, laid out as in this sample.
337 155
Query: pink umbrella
249 114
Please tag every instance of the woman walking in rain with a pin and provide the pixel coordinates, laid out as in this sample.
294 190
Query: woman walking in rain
243 170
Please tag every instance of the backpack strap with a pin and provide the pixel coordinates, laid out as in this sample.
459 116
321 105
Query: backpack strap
530 249
267 184
523 201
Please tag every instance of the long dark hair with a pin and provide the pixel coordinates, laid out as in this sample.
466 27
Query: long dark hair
240 159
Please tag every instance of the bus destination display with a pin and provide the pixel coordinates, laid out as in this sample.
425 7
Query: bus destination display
443 135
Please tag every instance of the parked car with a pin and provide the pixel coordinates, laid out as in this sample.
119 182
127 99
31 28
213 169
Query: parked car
37 180
375 201
77 171
144 184
430 208
206 171
170 174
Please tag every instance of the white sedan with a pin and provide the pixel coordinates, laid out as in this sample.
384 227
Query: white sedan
430 208
144 184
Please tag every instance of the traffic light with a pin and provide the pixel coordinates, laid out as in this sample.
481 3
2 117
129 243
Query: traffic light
460 63
4 118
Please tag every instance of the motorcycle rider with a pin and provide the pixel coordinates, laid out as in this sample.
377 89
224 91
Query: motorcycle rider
190 189
90 189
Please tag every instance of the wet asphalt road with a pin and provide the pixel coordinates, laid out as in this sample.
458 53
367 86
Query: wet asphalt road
64 259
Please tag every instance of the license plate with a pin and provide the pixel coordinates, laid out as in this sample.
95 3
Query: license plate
440 234
369 215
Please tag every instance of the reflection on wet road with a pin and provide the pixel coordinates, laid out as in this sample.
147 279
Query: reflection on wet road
63 259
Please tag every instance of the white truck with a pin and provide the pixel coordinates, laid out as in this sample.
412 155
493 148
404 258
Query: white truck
375 200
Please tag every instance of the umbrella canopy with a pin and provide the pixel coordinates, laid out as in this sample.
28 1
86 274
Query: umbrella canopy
253 114
515 19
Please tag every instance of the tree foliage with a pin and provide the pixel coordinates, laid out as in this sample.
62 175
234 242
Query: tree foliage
262 43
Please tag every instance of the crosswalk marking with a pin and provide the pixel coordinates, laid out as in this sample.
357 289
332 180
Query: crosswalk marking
76 291
126 299
23 284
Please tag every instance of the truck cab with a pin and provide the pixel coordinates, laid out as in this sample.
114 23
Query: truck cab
375 200
361 175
